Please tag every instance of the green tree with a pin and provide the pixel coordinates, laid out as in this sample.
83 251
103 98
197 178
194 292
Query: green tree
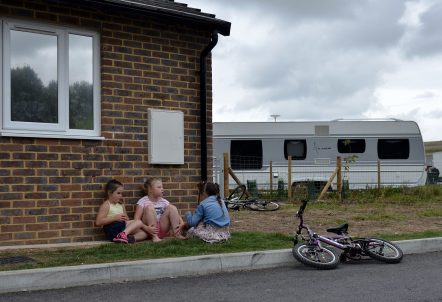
31 101
81 109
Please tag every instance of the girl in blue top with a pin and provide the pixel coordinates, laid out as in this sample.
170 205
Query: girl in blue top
211 220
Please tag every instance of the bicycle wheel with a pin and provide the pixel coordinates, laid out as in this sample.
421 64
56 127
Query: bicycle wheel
382 250
315 256
237 193
262 205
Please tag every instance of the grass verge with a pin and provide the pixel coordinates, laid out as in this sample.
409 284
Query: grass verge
107 253
240 242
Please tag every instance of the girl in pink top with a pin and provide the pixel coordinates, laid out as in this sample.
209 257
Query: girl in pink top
157 212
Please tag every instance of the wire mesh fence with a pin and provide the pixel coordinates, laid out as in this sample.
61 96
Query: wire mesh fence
272 179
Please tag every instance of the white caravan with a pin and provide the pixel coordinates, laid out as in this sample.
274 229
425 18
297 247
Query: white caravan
314 147
437 160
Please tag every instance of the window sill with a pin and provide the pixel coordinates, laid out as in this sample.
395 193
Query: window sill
48 135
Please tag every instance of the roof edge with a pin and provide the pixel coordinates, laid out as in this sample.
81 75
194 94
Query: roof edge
205 19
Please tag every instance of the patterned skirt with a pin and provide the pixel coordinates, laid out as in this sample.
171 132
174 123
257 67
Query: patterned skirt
209 233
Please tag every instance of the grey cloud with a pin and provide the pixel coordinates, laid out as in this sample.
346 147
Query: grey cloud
373 24
426 39
435 114
327 59
298 10
323 73
426 95
318 58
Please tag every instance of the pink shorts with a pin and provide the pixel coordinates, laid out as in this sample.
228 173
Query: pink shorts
161 233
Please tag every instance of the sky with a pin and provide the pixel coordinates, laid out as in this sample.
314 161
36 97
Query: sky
42 56
319 60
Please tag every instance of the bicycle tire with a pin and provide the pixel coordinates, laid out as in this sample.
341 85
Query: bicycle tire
315 256
382 250
263 205
237 193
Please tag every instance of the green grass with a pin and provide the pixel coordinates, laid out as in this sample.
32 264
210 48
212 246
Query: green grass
107 253
430 213
380 216
239 242
417 235
399 195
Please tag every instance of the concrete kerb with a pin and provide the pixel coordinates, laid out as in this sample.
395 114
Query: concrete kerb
71 276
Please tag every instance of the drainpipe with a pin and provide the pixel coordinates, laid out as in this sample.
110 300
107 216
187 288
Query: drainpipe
203 104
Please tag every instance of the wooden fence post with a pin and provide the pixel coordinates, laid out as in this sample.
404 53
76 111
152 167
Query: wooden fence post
339 177
271 179
328 184
289 180
379 175
226 174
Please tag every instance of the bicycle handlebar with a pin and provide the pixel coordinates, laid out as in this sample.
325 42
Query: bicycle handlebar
302 207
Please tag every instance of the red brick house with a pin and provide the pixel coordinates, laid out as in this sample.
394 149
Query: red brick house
93 90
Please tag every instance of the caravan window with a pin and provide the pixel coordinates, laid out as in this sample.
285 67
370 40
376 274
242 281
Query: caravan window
393 148
351 145
246 154
297 148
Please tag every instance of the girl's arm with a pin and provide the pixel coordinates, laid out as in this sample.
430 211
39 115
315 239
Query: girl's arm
193 220
102 218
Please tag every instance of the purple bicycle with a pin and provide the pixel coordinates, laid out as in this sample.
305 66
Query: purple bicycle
315 250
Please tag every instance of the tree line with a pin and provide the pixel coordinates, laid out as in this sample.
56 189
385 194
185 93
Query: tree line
32 101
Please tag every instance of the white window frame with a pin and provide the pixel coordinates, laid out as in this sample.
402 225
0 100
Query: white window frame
55 130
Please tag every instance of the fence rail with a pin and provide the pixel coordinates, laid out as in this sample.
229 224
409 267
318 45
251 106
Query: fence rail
275 177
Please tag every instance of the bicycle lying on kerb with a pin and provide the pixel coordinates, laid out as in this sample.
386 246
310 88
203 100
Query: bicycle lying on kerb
236 202
314 250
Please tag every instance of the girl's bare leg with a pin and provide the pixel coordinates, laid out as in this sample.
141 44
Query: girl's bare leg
150 223
152 232
171 219
140 235
132 226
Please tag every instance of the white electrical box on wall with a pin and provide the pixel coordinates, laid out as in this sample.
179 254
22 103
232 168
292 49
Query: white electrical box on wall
166 136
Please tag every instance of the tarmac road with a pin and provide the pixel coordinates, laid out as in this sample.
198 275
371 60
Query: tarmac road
416 278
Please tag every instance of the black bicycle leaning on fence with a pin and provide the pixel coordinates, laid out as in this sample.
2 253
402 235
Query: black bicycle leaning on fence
314 250
236 201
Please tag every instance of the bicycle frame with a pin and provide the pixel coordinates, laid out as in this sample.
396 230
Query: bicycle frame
311 252
315 238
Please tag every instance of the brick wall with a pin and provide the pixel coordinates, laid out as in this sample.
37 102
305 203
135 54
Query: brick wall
50 189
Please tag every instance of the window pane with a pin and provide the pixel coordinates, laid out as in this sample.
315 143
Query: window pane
393 148
351 145
296 148
34 88
246 154
81 103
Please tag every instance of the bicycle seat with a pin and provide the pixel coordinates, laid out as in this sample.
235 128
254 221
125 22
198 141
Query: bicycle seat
340 230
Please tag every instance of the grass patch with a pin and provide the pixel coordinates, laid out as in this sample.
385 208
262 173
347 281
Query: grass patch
380 216
409 236
430 213
240 242
396 195
108 253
